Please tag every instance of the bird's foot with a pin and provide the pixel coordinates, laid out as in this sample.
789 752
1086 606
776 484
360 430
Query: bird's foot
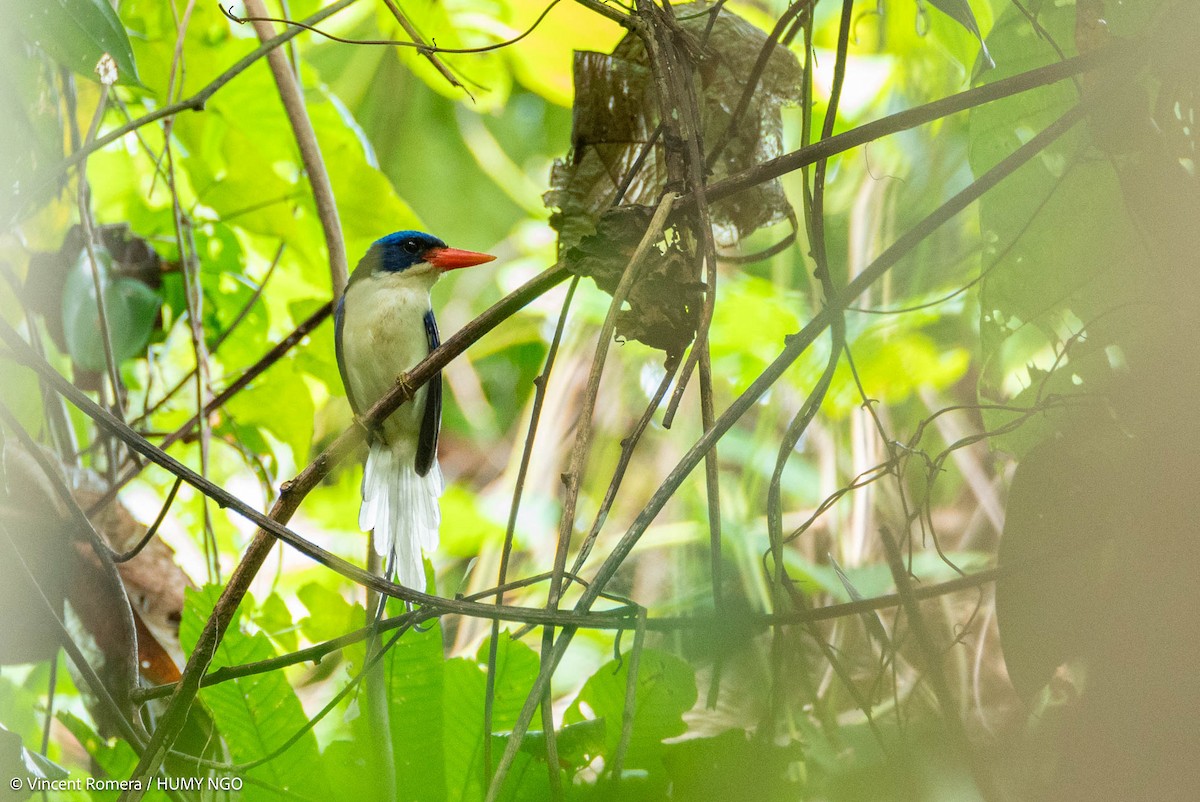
403 382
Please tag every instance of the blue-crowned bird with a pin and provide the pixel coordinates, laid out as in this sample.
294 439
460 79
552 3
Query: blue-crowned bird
385 326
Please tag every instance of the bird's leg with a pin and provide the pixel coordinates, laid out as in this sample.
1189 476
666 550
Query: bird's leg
372 429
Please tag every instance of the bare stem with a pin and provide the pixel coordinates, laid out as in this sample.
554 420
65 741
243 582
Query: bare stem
310 152
795 345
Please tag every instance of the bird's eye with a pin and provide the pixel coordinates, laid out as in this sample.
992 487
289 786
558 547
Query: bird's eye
411 246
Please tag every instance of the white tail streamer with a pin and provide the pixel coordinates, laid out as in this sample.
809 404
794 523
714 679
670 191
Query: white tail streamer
402 507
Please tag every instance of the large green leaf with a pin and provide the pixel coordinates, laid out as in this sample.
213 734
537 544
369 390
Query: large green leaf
257 714
31 134
1063 256
463 729
116 759
666 689
960 11
466 684
733 765
280 402
77 34
244 168
350 771
329 614
416 686
130 308
274 618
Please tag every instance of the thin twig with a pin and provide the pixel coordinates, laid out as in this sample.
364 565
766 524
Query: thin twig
429 55
605 10
583 432
540 385
629 710
153 530
418 45
796 345
242 314
51 693
99 284
193 294
220 399
628 446
1116 56
196 101
792 12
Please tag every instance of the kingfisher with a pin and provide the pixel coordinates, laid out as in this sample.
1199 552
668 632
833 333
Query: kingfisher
384 326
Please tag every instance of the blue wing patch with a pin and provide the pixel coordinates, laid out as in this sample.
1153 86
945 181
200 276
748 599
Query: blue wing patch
431 421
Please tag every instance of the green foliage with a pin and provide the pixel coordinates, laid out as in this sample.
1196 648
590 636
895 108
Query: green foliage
130 310
256 715
416 693
116 759
516 670
733 765
436 713
664 688
77 34
960 11
1064 278
1062 296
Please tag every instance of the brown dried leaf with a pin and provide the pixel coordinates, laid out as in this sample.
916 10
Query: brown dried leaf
35 541
154 583
615 116
616 112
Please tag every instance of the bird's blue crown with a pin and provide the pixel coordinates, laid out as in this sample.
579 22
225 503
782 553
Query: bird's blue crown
403 249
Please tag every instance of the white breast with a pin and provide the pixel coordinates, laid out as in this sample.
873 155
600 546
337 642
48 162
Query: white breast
383 335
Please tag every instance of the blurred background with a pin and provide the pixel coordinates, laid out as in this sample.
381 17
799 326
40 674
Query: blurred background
999 368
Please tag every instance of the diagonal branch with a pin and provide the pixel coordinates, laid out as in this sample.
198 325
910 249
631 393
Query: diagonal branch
796 345
195 102
425 51
220 399
291 495
1120 56
579 453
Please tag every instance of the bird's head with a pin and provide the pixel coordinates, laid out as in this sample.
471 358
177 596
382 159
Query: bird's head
414 253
